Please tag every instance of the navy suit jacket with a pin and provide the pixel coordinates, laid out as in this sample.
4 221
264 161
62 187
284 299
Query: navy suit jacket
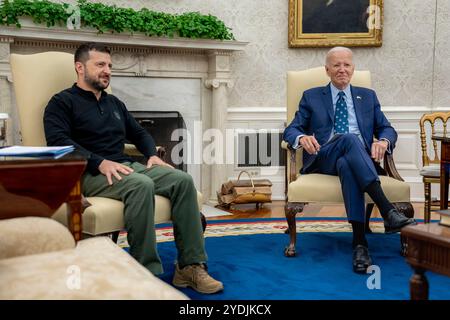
316 116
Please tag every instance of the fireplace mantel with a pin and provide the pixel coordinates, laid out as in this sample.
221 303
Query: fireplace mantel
135 55
33 32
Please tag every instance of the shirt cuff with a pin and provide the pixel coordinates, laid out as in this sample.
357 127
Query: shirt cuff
296 142
389 145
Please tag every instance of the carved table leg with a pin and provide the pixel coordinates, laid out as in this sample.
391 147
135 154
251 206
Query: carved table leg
403 245
74 210
418 285
290 210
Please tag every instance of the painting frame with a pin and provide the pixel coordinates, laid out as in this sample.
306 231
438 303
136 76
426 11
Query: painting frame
371 38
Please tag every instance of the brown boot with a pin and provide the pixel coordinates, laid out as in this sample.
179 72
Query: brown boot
196 277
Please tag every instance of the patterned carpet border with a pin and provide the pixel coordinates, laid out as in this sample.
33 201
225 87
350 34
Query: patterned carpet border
223 228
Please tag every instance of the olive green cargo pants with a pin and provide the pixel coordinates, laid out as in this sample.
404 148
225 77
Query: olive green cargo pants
137 191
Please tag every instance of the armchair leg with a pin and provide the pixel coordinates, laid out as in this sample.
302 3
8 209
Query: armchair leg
203 219
115 236
405 207
290 210
369 209
408 210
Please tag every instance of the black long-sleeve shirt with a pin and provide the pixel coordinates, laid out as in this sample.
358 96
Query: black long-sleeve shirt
97 128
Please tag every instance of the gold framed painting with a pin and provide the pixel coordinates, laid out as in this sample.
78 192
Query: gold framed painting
329 23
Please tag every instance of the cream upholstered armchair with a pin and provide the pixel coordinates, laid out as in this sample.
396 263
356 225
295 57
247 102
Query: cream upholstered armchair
36 78
321 188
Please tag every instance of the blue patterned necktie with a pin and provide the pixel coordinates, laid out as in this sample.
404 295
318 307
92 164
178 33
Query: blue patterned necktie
341 115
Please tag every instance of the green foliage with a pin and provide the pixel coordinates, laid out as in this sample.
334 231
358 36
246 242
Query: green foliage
106 18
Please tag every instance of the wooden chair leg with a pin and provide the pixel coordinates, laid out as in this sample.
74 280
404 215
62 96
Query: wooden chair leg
369 209
115 236
203 219
290 210
427 207
405 207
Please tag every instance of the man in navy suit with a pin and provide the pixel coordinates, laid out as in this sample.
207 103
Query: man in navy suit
336 126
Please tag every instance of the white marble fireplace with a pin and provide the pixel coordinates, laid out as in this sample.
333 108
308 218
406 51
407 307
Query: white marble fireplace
165 94
192 77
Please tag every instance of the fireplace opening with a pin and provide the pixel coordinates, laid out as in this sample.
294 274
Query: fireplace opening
160 125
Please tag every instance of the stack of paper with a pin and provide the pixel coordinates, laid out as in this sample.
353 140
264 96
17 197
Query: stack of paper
445 217
39 152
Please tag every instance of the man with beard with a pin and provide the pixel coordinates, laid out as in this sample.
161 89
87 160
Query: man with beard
97 124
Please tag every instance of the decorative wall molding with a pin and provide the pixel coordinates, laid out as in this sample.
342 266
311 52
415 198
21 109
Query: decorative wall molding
216 83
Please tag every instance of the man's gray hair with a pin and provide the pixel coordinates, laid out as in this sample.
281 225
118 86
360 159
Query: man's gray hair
336 49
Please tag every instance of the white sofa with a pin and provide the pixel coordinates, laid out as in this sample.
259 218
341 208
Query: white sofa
40 260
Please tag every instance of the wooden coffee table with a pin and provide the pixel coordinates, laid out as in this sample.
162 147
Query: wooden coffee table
428 249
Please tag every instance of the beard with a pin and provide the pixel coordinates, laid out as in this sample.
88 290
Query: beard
97 84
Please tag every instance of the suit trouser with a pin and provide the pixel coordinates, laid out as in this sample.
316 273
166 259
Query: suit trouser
137 191
347 158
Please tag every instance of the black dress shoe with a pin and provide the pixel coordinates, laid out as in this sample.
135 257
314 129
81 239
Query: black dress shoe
361 259
396 220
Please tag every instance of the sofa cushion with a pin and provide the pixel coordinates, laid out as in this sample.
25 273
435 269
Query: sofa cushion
431 171
327 189
96 269
32 235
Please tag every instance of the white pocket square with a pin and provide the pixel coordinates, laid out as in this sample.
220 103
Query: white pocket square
358 97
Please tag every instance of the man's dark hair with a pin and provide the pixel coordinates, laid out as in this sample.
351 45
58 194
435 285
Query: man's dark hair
82 53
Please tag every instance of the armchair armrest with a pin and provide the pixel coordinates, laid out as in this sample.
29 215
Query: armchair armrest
33 235
293 171
389 166
131 150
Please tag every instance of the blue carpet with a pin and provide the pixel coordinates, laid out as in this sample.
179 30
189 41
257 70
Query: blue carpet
253 267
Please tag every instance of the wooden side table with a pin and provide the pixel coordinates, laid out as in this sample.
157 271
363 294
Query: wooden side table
428 249
38 187
445 164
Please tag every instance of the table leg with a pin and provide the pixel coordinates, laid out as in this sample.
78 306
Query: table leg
403 246
444 185
74 210
418 285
